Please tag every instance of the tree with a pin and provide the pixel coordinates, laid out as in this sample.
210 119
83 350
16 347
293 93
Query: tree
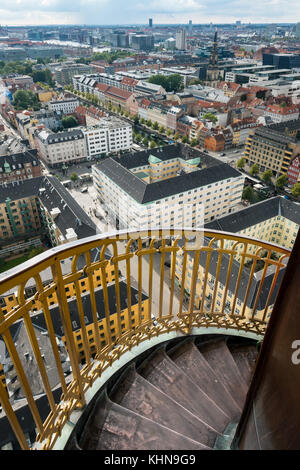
25 99
152 144
241 163
243 97
174 82
155 126
254 170
136 119
159 80
195 81
184 139
248 193
69 121
145 141
44 76
149 123
162 129
74 177
176 136
171 83
281 181
194 142
138 138
261 94
34 252
210 117
267 176
296 190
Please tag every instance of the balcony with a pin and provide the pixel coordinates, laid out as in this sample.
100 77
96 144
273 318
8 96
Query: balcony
93 303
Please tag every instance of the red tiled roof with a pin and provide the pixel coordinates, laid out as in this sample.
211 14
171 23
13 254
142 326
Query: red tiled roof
118 93
277 109
232 85
129 81
102 86
145 103
80 110
210 104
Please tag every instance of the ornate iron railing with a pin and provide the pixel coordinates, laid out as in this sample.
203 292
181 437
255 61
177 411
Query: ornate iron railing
148 283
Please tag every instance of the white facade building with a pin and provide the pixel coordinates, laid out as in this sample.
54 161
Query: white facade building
62 147
188 199
108 135
181 39
65 106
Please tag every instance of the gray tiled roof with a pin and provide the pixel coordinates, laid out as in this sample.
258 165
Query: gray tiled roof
118 171
39 319
56 195
18 159
257 213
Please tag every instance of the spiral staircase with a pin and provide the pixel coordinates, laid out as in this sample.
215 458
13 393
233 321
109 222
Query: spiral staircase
185 396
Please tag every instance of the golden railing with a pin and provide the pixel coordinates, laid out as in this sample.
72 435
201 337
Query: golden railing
182 280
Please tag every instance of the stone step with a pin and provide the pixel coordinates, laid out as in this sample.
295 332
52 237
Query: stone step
125 430
245 358
192 362
164 374
217 354
137 394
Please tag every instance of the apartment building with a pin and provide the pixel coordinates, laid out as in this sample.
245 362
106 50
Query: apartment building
66 106
62 147
181 39
275 220
272 148
20 219
108 135
280 113
19 166
65 74
39 209
171 186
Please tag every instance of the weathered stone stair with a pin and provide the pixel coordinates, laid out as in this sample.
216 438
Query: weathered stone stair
187 396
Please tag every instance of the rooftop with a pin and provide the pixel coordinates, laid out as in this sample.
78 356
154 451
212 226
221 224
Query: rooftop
257 213
118 170
70 215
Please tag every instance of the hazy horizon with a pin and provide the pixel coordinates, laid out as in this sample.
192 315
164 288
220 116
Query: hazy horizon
136 13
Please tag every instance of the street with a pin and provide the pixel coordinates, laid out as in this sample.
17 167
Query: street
89 201
231 156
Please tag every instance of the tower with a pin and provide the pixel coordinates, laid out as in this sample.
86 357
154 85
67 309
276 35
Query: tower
181 39
212 74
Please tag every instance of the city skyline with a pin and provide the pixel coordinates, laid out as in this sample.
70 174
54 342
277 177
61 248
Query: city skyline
103 12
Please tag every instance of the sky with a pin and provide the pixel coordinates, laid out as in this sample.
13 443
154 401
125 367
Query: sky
108 12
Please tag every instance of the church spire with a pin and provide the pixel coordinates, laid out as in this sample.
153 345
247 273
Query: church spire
212 73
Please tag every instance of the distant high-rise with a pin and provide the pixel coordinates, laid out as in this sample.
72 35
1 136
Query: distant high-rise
150 23
190 26
142 42
181 39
